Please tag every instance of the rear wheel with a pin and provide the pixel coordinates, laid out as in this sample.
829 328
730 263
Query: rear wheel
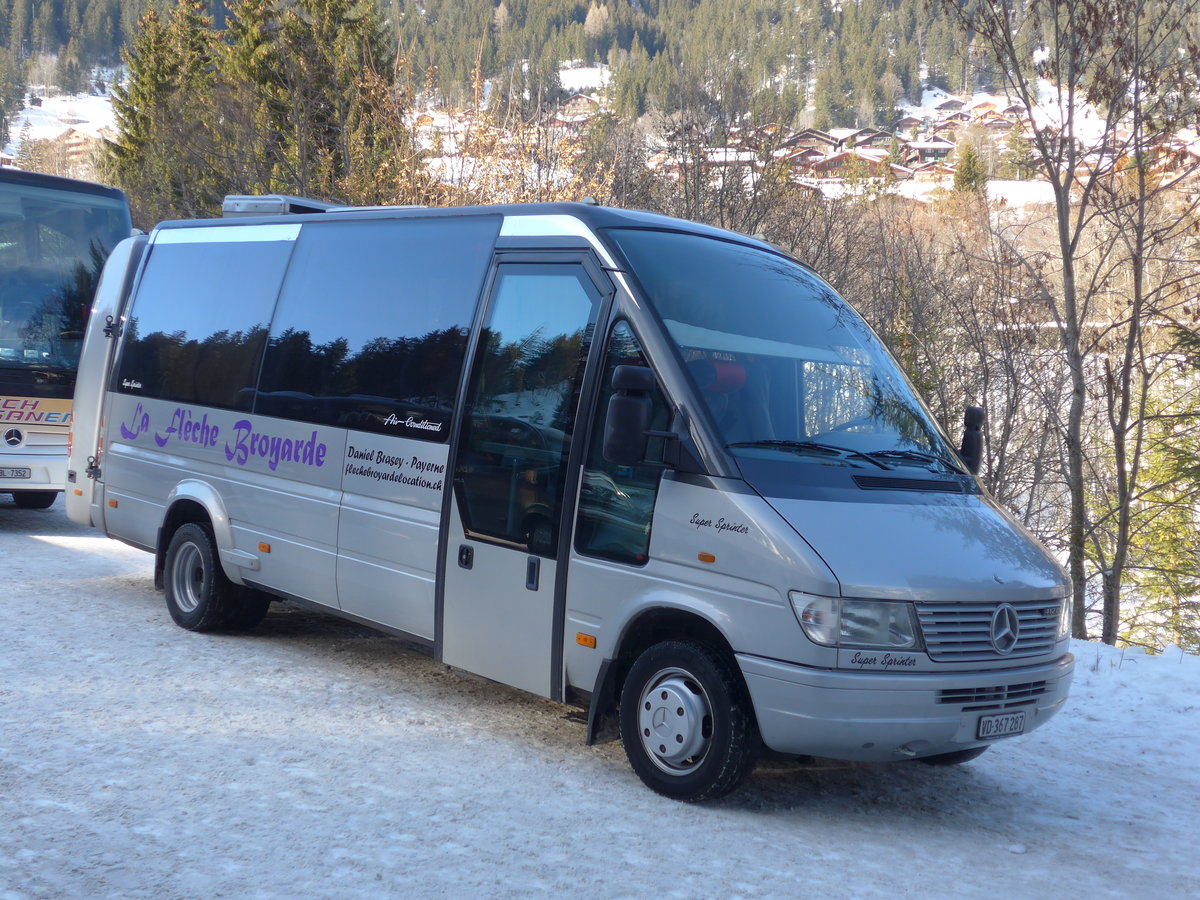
199 595
34 499
686 721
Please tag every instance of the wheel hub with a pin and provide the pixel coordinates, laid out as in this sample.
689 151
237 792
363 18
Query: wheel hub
188 578
672 720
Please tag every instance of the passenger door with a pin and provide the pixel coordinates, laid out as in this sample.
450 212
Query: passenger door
515 476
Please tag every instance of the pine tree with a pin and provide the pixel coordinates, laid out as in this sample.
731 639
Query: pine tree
1018 161
969 175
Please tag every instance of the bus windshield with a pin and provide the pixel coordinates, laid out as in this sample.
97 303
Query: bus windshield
787 370
54 237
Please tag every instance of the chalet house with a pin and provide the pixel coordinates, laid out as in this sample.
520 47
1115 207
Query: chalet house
908 123
867 137
935 170
812 139
998 125
839 165
949 105
578 105
929 151
801 161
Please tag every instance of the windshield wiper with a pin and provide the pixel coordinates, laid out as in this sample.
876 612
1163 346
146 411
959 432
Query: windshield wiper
920 456
802 446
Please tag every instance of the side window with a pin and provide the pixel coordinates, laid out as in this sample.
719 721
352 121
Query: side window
372 324
616 503
197 328
521 404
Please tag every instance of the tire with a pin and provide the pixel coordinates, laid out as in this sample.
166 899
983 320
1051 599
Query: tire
251 607
34 499
953 758
199 595
687 723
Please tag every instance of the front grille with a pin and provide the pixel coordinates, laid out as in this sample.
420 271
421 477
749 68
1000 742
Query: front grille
998 697
962 632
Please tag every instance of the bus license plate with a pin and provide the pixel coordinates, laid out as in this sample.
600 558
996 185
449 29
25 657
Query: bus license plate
998 726
15 473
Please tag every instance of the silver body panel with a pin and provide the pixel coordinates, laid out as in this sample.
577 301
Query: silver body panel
880 717
91 380
949 548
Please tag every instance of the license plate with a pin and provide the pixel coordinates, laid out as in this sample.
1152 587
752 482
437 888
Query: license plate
1000 725
15 473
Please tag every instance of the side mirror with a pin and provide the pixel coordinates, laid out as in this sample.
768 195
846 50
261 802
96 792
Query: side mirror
629 411
972 441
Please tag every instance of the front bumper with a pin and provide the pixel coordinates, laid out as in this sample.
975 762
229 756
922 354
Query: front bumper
877 717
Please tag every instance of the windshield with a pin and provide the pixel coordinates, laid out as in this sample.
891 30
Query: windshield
53 244
787 369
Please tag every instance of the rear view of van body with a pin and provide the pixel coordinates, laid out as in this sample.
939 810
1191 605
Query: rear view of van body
611 458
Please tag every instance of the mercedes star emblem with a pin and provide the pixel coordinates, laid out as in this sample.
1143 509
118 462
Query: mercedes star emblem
1006 628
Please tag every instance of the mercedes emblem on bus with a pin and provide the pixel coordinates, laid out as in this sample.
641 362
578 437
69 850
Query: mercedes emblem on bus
1006 628
13 437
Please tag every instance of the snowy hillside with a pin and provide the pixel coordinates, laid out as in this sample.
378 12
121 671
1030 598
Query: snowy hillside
315 758
88 114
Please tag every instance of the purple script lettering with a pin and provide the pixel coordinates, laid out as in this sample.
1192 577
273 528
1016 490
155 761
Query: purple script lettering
139 423
274 449
185 427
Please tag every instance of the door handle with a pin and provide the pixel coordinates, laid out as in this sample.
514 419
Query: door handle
533 571
466 556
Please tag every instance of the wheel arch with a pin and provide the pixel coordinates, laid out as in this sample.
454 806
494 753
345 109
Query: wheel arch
648 627
198 502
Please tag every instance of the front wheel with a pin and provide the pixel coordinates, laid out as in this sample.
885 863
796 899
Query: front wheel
199 595
34 499
686 721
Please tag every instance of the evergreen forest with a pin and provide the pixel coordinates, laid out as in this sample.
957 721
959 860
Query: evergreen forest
765 60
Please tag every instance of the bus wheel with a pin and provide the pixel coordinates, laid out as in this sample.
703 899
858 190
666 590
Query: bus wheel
35 499
953 758
199 596
687 723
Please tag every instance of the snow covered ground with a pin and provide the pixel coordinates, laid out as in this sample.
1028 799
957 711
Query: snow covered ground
315 758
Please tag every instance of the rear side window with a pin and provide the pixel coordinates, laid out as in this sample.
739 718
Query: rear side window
198 326
372 324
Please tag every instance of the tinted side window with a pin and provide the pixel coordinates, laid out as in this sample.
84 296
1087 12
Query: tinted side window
616 503
199 322
521 404
372 324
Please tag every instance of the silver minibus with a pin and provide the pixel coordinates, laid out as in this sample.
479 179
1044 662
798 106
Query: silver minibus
637 464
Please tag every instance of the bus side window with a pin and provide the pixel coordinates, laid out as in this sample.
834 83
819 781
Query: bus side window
616 503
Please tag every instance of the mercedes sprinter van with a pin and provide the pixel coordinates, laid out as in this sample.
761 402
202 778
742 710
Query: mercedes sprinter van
653 468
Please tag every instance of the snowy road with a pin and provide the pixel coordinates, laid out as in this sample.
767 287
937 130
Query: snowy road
318 759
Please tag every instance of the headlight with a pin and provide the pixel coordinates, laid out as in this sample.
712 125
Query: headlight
833 622
1064 619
